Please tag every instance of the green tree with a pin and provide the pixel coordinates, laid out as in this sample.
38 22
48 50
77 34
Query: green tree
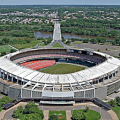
20 109
12 50
93 40
63 39
78 115
5 100
3 53
16 114
112 102
53 117
32 108
34 116
86 109
98 50
118 100
6 40
68 42
113 43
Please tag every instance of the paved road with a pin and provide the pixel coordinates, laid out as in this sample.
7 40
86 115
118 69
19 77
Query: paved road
114 95
8 115
105 115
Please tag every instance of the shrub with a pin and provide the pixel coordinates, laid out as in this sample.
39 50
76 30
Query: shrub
112 102
12 50
3 53
20 109
86 109
118 100
16 114
78 115
53 117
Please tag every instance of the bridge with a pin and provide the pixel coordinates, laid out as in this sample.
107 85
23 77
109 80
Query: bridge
57 35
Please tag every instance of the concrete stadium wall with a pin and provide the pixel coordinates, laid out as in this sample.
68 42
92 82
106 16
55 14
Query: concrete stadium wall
113 87
101 93
84 94
14 93
4 87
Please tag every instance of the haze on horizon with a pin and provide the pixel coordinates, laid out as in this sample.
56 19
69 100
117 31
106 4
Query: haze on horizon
59 2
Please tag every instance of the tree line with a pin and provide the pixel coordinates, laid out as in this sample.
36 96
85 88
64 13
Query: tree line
91 23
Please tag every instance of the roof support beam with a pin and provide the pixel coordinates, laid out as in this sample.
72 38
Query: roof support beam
28 83
44 87
89 84
35 86
71 87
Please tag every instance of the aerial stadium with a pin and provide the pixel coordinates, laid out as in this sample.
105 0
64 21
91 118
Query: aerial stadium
21 75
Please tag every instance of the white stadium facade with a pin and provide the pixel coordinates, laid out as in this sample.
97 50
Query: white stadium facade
97 81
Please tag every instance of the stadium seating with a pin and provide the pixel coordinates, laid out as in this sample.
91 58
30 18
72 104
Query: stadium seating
80 56
38 64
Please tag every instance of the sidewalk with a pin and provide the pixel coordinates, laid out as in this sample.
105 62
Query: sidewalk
13 47
46 114
113 115
68 115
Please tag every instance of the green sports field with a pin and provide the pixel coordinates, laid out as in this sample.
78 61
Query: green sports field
5 48
62 68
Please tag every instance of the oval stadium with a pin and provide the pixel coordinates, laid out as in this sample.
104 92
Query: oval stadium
21 75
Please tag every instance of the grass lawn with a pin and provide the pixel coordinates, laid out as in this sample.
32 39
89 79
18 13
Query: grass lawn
62 68
116 109
5 48
1 109
28 45
77 42
57 45
90 115
61 114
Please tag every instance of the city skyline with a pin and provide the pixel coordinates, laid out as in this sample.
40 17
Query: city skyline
60 2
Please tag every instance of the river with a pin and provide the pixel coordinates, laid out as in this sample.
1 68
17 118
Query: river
66 35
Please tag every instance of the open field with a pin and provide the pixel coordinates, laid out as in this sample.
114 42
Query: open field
60 114
62 69
90 115
5 48
77 42
28 45
111 50
57 45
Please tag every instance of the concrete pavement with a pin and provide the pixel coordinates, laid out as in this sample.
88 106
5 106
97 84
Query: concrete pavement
46 114
68 114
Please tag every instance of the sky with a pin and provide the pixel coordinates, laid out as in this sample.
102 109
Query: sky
59 2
